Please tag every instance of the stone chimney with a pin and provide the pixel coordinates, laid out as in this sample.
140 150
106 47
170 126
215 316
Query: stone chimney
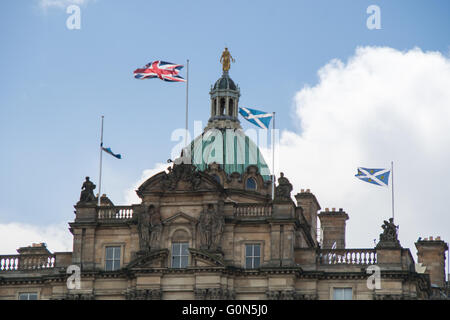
310 206
431 253
332 225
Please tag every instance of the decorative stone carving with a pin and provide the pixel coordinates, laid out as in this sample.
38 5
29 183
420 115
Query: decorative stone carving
214 294
144 294
87 192
210 228
79 296
289 295
155 228
181 172
283 189
144 230
389 237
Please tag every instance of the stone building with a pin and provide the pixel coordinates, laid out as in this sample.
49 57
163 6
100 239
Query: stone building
208 228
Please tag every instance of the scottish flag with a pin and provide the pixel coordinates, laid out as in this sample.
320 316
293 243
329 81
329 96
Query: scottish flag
380 177
258 118
108 150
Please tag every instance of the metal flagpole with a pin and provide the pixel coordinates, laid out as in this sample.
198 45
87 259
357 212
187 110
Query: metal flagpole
392 173
100 175
273 156
187 100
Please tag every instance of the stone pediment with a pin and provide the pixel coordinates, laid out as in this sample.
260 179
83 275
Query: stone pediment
180 218
152 259
202 258
181 177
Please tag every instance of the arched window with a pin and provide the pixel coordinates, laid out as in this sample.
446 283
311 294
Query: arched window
222 106
230 107
250 184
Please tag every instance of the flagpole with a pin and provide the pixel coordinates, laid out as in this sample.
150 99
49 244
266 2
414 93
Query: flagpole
392 188
187 101
273 156
100 175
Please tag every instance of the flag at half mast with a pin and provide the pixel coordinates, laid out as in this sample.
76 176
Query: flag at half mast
259 118
380 177
108 150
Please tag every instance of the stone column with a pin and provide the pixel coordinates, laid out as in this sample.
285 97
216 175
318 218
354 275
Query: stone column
275 254
288 245
227 105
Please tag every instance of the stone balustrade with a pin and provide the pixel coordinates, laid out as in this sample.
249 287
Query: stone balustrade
347 256
115 213
26 262
252 210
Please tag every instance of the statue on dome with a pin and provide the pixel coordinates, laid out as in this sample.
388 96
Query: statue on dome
226 60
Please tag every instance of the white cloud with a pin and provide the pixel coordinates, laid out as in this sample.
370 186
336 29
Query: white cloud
45 4
381 105
15 235
130 194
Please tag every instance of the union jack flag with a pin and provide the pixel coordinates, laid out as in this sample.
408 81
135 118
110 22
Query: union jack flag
160 69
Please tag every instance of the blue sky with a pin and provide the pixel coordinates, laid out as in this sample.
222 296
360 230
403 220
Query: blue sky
56 83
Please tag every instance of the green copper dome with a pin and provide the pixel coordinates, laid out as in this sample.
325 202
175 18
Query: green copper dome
225 82
230 148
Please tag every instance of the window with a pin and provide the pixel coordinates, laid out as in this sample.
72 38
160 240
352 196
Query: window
252 256
112 261
342 294
251 184
180 255
28 296
222 106
230 107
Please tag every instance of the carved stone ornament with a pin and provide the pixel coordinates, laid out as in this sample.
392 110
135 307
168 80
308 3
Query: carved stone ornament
210 228
283 189
87 192
181 172
144 294
389 237
155 228
289 295
214 294
144 230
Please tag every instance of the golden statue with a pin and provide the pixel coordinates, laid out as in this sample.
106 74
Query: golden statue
226 59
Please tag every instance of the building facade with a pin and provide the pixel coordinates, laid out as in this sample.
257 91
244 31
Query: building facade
208 228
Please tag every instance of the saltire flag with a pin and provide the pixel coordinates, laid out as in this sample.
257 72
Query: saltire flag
380 177
166 71
258 118
108 150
